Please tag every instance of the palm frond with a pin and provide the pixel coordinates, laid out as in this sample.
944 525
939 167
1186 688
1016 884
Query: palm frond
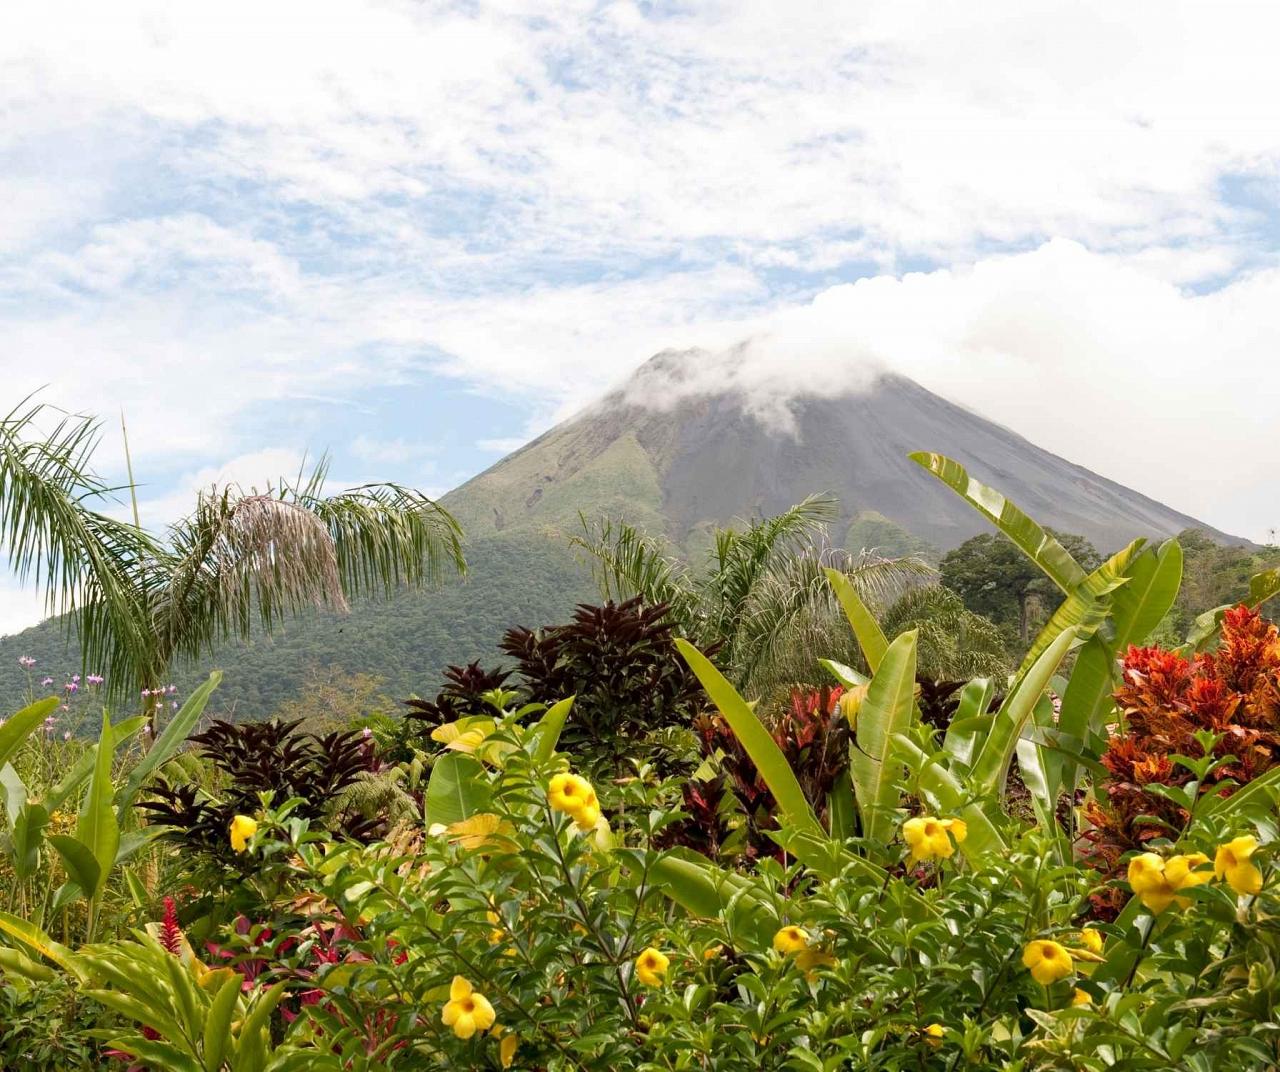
793 617
626 562
84 561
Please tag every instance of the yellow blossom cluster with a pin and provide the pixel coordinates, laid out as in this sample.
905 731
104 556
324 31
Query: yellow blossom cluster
574 796
930 838
1157 881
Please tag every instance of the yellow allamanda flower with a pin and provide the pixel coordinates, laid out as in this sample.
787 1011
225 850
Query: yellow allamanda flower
508 1042
1232 862
1156 881
243 827
934 1034
466 1011
651 967
1081 997
930 838
574 796
791 940
1047 960
1091 940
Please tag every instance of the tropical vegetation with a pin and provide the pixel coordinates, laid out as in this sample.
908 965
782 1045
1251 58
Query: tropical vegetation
791 810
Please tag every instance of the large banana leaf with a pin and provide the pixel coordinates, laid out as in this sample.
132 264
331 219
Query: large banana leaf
1030 538
763 750
991 765
970 722
17 727
1153 580
14 790
34 938
1086 608
887 709
98 828
169 741
865 627
78 859
1264 586
25 836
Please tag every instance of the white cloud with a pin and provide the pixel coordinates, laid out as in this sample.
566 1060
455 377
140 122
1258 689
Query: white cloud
502 446
1083 353
20 606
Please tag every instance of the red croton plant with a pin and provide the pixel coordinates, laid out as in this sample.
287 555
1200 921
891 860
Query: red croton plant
1165 700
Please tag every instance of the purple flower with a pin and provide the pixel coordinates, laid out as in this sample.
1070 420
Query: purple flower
67 736
71 686
52 719
172 689
95 679
146 692
47 681
75 678
26 662
173 704
147 729
366 733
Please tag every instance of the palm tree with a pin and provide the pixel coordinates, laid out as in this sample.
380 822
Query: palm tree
763 598
242 559
954 644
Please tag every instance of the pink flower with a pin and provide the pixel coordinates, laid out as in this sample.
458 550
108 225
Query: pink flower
95 679
47 681
72 686
366 733
26 662
67 736
146 692
172 689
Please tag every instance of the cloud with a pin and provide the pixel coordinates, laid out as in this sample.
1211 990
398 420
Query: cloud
1085 354
502 446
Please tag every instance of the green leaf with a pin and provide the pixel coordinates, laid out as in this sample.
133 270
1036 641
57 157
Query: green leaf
457 790
547 732
1264 586
706 891
865 627
846 675
217 1025
763 750
254 1040
170 740
16 963
971 721
1027 536
98 828
1204 630
840 808
14 790
79 861
887 709
25 837
991 767
17 727
34 938
1258 796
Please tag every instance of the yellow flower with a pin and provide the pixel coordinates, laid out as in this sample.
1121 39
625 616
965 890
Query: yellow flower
497 935
574 796
242 829
713 951
850 703
466 1011
651 967
930 838
1047 960
1091 940
934 1034
1231 862
507 1045
791 940
1156 882
1081 997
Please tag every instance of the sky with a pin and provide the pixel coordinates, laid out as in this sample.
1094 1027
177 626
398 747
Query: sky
414 235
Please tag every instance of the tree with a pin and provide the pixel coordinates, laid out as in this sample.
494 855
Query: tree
954 643
997 581
762 599
240 560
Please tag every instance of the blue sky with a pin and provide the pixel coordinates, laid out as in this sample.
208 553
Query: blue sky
416 234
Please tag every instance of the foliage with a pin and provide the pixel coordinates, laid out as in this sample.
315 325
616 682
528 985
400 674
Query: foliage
761 600
997 581
252 759
1223 705
240 559
954 643
618 662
